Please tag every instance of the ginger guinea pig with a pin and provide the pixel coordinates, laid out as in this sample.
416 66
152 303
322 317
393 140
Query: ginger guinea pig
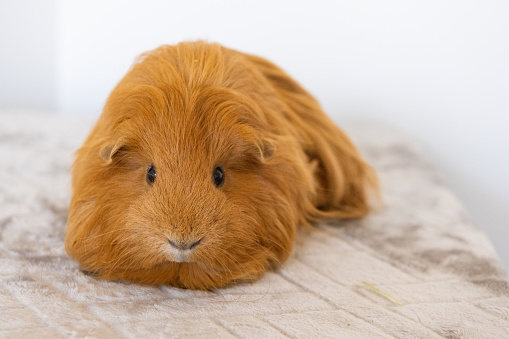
201 167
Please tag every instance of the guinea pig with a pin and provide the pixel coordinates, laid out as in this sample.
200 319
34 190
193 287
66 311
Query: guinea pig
200 169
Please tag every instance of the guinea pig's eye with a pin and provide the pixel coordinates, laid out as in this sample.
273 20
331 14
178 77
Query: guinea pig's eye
151 174
218 176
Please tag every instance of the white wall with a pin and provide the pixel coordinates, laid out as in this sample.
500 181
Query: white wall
438 70
28 54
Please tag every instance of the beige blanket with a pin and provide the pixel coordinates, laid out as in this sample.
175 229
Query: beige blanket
415 268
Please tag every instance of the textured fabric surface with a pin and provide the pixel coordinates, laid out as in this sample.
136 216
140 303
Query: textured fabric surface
414 268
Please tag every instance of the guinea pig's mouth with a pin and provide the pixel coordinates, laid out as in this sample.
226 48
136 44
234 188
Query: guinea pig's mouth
179 256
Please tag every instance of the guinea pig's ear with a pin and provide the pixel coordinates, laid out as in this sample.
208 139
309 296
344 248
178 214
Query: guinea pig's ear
265 149
110 149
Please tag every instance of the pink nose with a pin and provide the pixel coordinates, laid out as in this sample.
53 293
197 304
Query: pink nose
181 245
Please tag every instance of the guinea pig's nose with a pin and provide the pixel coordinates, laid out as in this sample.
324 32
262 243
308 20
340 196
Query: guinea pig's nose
182 245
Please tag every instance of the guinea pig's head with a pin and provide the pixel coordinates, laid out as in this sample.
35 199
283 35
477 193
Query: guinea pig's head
195 174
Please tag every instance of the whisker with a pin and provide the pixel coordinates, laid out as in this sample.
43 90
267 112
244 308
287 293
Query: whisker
49 254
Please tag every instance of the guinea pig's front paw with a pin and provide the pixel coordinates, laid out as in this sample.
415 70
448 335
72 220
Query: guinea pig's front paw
92 274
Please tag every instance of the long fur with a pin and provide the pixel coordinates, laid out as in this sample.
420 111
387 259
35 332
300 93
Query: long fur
187 109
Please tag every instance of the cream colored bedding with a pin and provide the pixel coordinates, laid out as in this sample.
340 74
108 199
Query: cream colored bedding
415 268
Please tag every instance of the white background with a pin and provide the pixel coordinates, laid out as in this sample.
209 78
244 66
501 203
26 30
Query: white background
437 70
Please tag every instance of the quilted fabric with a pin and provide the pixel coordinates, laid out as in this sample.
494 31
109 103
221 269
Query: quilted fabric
414 268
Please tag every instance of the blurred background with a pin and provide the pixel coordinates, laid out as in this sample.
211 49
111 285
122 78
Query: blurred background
436 70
